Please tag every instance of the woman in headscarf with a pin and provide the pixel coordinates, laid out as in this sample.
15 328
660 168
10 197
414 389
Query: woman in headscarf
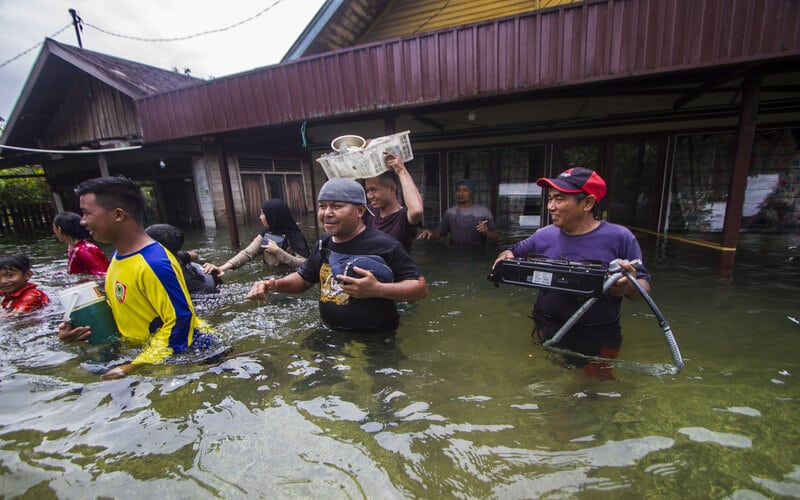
281 243
83 255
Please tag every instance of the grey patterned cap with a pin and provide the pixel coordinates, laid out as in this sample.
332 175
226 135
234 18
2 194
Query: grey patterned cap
342 189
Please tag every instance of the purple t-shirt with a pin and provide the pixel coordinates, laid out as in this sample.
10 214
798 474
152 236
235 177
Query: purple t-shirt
605 243
460 224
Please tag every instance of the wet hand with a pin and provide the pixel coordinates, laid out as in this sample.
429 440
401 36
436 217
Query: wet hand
209 268
505 254
118 372
360 288
393 162
271 247
260 289
68 334
623 286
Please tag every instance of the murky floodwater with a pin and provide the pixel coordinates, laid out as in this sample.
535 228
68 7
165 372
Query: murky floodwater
460 403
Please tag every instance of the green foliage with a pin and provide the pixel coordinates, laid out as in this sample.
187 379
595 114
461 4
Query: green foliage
30 189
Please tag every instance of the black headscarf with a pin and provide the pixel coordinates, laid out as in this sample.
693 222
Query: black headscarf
280 221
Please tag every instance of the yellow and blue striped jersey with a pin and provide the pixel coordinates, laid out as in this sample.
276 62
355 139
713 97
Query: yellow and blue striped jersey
150 302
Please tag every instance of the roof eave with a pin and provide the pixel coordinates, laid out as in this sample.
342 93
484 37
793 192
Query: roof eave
129 90
313 29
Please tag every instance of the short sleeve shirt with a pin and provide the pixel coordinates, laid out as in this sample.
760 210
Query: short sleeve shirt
342 312
150 302
460 224
397 226
604 244
86 257
26 299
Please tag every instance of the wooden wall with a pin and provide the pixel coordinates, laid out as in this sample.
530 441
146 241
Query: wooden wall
408 17
90 111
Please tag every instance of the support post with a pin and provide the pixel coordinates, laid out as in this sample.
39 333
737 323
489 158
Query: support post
751 89
227 193
102 165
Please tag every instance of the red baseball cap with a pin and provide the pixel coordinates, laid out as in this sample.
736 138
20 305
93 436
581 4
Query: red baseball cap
577 180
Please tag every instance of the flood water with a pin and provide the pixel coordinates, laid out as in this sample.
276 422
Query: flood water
460 403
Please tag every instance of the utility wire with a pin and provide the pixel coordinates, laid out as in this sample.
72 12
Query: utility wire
34 47
142 39
186 37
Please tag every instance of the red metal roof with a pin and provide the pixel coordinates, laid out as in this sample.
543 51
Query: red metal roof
574 44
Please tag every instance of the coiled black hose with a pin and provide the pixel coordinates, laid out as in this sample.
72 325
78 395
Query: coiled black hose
618 272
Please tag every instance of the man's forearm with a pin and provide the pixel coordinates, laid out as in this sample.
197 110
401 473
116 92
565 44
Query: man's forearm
406 290
411 196
292 283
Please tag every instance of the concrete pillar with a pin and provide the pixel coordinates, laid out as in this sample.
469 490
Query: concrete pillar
205 200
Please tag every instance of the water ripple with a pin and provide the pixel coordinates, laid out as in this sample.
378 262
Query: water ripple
702 435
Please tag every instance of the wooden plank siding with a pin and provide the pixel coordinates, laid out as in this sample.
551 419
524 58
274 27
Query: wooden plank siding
570 45
90 111
409 17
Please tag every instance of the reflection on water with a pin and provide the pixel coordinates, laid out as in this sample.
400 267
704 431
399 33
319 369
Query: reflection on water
460 402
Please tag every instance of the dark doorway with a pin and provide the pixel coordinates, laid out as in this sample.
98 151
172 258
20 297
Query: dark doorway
179 203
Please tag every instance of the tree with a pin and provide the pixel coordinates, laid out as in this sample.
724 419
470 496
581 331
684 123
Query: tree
24 186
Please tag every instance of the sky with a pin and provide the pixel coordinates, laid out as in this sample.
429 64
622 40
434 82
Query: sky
259 42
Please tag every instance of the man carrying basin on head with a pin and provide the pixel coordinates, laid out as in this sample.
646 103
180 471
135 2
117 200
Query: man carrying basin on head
390 216
575 234
361 271
144 284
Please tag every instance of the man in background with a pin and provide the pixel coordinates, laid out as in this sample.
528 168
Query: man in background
467 223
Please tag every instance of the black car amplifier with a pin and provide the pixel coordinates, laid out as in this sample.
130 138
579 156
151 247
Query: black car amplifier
577 278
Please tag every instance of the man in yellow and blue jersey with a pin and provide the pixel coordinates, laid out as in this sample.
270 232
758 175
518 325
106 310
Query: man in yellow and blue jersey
145 287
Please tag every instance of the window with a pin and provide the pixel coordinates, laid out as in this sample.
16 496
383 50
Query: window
265 179
519 199
424 169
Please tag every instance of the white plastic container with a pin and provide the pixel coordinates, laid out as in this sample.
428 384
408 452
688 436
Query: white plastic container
368 161
85 305
80 296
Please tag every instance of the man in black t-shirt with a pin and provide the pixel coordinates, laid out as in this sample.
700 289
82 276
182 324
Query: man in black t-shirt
358 300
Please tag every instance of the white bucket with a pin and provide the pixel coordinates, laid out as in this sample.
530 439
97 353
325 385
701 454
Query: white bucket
80 296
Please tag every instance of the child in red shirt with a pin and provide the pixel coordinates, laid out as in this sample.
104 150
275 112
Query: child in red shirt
18 294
